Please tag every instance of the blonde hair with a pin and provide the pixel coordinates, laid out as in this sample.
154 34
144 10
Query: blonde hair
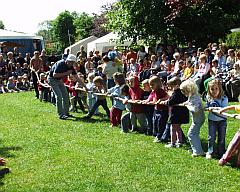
98 79
213 83
90 75
146 81
155 80
203 56
189 87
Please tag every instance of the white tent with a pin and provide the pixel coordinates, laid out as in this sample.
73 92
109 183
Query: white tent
106 42
76 46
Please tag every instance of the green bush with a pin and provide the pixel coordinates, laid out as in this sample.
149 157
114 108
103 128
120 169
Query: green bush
233 40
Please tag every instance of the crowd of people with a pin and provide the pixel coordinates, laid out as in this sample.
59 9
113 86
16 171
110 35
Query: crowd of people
158 88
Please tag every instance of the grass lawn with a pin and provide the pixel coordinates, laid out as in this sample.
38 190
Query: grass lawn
48 154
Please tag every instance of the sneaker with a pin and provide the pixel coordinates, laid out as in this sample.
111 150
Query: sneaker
156 140
178 145
208 156
170 145
69 115
63 117
197 154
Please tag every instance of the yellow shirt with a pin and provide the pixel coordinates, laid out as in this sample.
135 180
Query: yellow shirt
187 72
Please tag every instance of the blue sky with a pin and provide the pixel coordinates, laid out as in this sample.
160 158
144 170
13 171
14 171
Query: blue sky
25 15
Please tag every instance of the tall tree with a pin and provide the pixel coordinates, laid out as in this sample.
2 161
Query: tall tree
46 30
181 20
99 28
2 25
141 19
84 25
64 30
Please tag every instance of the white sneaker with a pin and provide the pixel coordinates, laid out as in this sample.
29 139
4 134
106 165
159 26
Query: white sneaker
170 145
197 154
156 140
208 156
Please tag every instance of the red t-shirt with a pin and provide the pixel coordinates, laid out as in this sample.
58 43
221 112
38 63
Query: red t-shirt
155 95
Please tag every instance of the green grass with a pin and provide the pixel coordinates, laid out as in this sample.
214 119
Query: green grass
48 154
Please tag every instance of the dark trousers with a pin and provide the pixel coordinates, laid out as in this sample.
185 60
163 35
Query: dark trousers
103 103
78 100
35 83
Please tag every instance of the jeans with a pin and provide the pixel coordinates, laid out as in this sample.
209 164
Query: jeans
61 95
198 119
149 117
159 122
215 127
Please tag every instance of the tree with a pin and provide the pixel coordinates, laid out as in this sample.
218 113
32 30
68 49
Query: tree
84 25
140 19
201 21
99 29
64 30
2 25
46 30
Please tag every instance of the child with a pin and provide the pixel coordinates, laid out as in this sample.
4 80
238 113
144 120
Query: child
194 104
72 93
136 114
43 87
149 109
26 83
81 95
118 106
100 91
2 88
234 145
11 86
216 123
160 115
179 114
188 71
91 97
125 119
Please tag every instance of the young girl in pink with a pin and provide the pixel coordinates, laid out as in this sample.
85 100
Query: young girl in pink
234 145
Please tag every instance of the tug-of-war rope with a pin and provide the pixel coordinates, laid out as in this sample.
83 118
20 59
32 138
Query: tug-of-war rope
140 102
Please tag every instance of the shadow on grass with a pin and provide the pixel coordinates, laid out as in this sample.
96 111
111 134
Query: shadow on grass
91 120
6 151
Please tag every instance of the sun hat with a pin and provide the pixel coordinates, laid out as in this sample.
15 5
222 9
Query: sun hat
71 57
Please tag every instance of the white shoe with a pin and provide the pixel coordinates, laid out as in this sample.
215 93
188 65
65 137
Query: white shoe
170 145
208 156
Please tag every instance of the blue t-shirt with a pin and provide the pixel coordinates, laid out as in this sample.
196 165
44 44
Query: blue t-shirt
221 102
61 67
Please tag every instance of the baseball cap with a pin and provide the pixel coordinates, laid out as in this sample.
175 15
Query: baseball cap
71 57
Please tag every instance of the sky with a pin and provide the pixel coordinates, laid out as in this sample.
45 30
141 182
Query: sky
25 15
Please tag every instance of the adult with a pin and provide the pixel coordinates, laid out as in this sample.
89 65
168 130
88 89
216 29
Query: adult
59 71
82 55
109 68
131 54
65 55
52 58
20 59
141 54
35 66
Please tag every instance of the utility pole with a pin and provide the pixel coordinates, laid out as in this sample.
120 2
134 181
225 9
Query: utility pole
69 38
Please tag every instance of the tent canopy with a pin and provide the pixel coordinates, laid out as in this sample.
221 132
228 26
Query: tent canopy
106 42
4 34
25 42
76 46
